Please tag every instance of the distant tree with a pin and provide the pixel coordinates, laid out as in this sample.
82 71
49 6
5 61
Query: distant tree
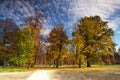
35 20
51 54
119 50
7 39
58 39
97 37
117 57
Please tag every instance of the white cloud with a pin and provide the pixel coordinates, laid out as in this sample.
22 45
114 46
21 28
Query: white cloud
45 31
114 24
103 8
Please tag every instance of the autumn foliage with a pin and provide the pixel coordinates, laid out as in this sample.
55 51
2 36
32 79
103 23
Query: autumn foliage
91 43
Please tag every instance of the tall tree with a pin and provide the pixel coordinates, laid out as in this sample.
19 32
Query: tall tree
78 42
97 38
58 38
35 22
51 54
7 39
24 46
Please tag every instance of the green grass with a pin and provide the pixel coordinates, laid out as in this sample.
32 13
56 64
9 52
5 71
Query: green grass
11 69
108 66
92 68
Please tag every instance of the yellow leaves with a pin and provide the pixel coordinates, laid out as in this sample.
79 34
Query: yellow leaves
107 41
89 49
91 41
92 35
78 41
64 56
58 36
53 34
106 52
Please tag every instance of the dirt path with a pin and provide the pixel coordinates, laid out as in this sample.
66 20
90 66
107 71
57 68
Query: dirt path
14 75
75 75
87 75
62 75
39 75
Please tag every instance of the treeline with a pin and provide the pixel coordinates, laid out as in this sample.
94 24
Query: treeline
91 43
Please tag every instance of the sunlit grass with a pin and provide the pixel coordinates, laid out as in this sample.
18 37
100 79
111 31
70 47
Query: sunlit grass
12 69
17 69
92 68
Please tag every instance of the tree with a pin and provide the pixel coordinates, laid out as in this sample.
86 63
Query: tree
119 50
7 39
97 38
24 46
35 22
78 42
117 57
51 54
58 39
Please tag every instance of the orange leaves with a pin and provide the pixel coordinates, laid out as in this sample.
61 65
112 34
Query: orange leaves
58 36
107 52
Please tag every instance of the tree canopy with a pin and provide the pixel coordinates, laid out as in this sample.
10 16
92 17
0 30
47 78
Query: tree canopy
97 38
58 39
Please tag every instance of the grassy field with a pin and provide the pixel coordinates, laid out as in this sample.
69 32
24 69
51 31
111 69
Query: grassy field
94 67
12 69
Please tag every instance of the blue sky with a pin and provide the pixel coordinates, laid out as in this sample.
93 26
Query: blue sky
64 11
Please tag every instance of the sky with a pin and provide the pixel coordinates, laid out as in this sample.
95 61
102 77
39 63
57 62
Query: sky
66 12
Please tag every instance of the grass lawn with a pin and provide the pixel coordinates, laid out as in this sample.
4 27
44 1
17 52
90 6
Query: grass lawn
93 67
12 69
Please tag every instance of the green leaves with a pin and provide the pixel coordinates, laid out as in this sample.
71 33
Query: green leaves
25 45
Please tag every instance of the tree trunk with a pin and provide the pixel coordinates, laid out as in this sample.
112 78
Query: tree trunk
57 63
88 61
79 63
54 63
35 58
88 64
59 55
5 61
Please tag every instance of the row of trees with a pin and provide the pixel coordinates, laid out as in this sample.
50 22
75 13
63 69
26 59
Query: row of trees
91 43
